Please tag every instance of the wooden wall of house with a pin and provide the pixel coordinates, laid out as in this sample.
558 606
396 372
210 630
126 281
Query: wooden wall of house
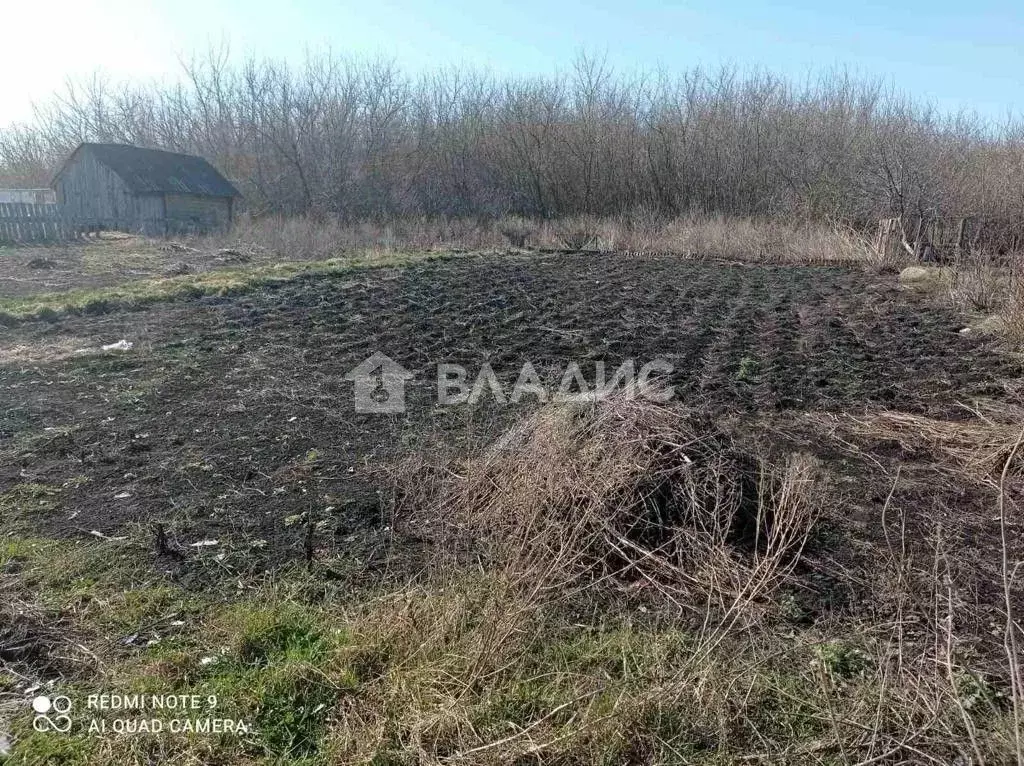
191 212
89 192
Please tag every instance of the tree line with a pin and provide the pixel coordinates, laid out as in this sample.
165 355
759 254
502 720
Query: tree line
361 139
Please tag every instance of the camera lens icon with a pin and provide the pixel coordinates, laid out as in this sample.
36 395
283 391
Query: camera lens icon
60 706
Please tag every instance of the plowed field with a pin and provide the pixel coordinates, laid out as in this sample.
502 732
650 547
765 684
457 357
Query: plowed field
231 416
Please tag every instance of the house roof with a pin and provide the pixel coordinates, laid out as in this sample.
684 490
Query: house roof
152 171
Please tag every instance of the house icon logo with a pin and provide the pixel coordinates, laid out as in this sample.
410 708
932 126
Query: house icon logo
379 385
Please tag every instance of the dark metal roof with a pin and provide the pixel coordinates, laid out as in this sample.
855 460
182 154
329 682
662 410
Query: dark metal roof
152 171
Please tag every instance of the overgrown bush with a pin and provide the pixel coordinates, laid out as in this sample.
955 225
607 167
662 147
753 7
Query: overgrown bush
979 283
363 140
577 232
623 489
517 231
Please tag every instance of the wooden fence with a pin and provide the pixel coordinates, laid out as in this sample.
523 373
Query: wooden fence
22 222
947 240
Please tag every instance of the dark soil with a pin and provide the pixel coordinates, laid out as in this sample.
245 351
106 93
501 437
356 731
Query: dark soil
231 420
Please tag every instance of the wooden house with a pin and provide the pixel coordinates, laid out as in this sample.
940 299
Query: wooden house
148 191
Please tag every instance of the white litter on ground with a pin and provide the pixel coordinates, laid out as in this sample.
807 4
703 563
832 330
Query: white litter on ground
121 345
101 536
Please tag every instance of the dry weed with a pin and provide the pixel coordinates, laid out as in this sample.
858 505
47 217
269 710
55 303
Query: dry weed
578 232
694 236
1012 314
979 284
630 493
620 494
518 231
977 446
753 240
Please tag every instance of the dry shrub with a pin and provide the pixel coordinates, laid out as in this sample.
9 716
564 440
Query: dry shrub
695 236
628 492
763 241
625 493
754 240
1012 314
517 231
979 283
578 232
593 502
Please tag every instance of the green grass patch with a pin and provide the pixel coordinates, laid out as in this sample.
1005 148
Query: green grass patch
51 306
749 370
461 669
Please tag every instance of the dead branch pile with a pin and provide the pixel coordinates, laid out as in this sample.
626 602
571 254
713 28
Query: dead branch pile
627 492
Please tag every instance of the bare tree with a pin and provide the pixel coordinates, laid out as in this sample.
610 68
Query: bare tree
357 138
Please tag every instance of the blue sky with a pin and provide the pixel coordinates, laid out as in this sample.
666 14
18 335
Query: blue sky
956 55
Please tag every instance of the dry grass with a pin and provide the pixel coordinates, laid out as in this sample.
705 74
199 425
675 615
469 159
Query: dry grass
980 283
300 238
479 675
30 639
605 608
625 508
48 350
982 449
629 493
762 241
992 286
1012 314
227 281
695 236
976 447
